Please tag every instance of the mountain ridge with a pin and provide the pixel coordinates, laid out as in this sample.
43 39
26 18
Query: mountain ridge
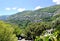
43 14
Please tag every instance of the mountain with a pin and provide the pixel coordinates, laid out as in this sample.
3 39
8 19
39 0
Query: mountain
4 17
25 17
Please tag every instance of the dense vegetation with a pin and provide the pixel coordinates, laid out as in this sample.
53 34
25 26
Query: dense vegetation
6 32
32 25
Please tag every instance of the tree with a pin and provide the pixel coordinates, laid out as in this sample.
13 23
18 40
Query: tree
6 32
56 25
35 29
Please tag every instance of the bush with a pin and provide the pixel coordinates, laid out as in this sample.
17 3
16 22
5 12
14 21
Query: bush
6 32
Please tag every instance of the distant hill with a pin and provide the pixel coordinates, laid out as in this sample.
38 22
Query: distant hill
43 14
4 17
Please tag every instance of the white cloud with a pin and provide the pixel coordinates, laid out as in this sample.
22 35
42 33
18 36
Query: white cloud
56 1
10 8
38 7
7 8
20 9
14 8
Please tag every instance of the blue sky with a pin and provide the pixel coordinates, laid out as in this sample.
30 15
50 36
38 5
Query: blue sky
8 7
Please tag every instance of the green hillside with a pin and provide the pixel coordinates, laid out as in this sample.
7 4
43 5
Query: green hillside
25 17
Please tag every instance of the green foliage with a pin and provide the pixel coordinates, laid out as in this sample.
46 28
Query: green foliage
46 38
6 32
38 39
35 29
18 31
57 26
